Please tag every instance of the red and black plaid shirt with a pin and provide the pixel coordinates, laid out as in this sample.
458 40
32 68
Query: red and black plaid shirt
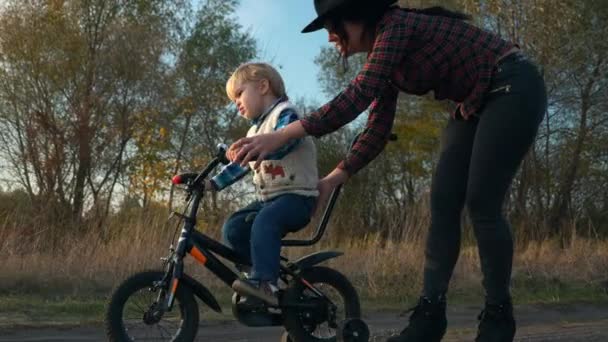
414 53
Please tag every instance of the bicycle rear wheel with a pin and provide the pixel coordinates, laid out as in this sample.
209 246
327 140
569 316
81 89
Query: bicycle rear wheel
339 302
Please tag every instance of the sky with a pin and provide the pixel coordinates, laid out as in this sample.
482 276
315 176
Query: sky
276 26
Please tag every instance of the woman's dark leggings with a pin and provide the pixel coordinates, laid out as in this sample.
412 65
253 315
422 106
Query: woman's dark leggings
479 158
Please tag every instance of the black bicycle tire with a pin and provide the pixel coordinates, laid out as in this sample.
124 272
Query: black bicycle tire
115 331
319 274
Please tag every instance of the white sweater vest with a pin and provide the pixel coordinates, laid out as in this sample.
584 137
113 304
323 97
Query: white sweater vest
295 173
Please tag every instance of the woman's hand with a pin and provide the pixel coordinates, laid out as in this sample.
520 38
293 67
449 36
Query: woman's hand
325 189
257 147
327 184
260 146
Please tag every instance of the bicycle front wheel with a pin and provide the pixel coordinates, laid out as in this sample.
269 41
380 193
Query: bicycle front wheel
135 313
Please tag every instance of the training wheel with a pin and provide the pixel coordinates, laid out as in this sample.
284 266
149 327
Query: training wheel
353 330
285 337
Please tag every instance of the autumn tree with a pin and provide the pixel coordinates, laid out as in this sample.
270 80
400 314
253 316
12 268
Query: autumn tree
566 39
72 73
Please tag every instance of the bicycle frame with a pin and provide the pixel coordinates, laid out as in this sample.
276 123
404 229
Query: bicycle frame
201 247
204 249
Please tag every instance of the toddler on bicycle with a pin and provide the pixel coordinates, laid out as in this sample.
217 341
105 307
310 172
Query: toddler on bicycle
285 182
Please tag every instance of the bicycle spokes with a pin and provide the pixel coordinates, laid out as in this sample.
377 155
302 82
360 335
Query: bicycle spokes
322 322
145 319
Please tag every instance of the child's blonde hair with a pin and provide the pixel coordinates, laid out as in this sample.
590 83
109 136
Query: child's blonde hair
255 72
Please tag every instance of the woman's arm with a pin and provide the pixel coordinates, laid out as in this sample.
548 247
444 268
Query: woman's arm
371 83
376 133
369 144
387 53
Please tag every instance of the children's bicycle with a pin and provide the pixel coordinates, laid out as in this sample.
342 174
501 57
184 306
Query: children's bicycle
315 303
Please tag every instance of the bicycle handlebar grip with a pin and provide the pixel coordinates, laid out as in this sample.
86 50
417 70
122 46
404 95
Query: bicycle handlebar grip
221 153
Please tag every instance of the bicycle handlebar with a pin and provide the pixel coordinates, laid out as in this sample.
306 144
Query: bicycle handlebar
194 179
220 157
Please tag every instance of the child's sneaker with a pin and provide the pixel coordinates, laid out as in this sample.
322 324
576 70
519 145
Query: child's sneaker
255 294
244 270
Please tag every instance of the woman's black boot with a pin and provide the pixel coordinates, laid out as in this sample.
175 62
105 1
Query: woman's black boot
496 323
428 322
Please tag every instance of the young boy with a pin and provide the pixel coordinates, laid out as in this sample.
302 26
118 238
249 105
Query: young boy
286 181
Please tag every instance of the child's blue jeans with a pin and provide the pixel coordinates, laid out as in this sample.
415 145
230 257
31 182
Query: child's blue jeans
260 238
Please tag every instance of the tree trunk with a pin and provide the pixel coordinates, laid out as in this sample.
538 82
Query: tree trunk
178 159
564 194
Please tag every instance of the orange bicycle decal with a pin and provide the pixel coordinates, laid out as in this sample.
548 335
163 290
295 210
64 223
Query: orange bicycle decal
174 287
198 255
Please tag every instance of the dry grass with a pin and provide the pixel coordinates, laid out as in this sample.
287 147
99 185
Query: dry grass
85 264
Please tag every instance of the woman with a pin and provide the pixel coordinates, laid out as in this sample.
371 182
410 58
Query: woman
501 101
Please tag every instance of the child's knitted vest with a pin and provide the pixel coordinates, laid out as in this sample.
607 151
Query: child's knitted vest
295 173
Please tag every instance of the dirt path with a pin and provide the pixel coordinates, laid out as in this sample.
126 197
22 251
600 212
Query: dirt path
571 323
